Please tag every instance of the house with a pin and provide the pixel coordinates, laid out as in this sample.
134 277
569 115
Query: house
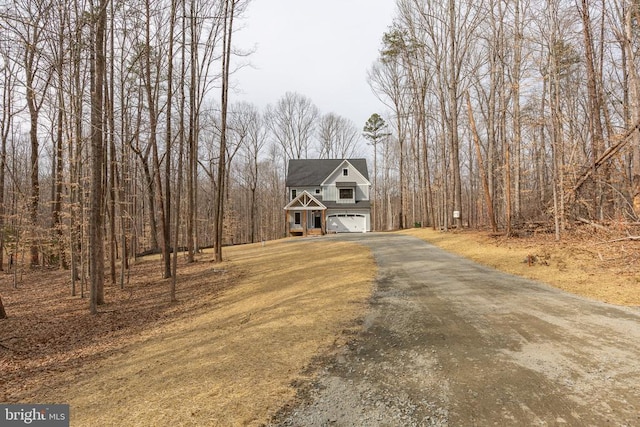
327 196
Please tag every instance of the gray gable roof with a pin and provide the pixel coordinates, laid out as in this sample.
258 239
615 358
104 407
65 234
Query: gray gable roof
312 172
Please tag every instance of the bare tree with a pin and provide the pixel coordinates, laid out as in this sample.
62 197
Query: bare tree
338 137
9 111
387 79
228 15
96 240
27 23
256 141
292 120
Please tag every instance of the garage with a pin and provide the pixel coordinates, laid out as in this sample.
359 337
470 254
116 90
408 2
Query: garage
346 223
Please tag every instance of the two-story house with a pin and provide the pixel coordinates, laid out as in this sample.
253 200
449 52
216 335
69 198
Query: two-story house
327 196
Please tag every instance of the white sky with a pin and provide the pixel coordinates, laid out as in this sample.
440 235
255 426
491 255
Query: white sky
321 49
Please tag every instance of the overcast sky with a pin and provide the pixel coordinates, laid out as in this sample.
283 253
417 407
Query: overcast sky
320 49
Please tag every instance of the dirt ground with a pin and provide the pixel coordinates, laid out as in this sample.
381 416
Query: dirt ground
249 338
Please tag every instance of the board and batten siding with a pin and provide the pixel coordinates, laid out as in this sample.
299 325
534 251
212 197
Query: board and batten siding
330 193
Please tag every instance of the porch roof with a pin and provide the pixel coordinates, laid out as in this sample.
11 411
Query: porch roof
305 202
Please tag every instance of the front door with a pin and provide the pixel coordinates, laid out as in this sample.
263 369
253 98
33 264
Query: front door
317 221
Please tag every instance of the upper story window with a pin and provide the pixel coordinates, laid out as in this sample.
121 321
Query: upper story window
346 194
345 172
293 194
317 191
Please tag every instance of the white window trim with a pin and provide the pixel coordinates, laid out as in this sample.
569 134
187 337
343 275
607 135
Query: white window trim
349 200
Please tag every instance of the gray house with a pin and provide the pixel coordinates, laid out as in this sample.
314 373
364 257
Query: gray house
327 196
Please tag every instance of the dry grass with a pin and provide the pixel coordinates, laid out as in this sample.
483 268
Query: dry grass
585 263
233 363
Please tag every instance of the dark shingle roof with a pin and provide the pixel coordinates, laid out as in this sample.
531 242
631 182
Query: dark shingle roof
312 172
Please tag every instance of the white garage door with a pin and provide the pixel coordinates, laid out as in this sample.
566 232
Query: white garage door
346 223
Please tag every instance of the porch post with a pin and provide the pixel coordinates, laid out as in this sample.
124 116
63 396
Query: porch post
324 222
305 221
287 223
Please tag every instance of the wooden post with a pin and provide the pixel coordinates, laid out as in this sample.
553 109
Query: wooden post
287 223
324 222
305 221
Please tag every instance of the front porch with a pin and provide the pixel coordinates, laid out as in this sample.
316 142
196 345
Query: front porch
306 223
305 216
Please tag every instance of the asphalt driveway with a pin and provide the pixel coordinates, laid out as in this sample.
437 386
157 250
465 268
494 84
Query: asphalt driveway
447 342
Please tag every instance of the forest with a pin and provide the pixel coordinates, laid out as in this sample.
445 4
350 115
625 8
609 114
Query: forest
120 135
513 114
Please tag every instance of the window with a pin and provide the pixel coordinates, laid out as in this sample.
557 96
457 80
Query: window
296 218
317 191
293 194
346 193
345 172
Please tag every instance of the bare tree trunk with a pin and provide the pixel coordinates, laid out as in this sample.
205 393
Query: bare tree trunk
595 105
75 151
483 172
228 14
112 165
453 112
35 159
151 86
176 231
96 240
180 178
192 177
6 124
556 125
167 159
58 168
151 200
517 119
401 171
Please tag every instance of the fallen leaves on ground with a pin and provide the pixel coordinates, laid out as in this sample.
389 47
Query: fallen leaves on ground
48 331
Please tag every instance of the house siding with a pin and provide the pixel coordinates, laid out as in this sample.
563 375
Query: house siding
362 192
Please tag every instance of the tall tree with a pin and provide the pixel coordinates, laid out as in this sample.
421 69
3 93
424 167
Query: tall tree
338 137
375 130
96 239
595 101
152 82
291 121
9 111
387 77
168 142
27 21
227 16
256 141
